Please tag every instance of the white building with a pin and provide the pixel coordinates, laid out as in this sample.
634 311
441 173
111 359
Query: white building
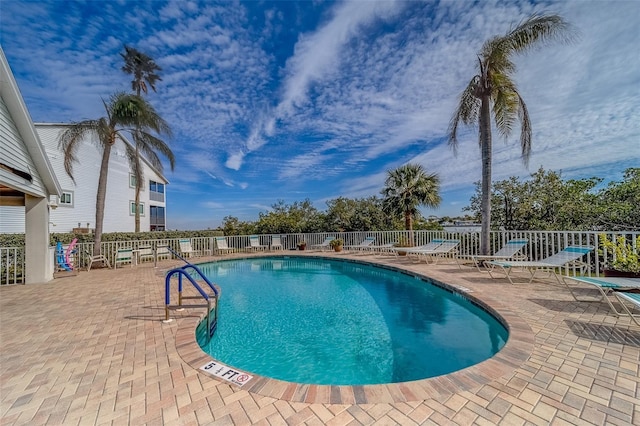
76 207
27 179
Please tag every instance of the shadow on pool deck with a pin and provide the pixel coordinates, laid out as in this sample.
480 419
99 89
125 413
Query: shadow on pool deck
92 349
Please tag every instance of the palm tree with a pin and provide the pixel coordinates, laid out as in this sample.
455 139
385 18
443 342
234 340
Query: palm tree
493 86
125 113
144 70
407 188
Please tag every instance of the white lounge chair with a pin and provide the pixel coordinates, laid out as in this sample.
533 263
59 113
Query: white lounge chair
379 249
366 243
162 252
325 244
124 255
604 285
508 252
186 249
145 253
431 245
276 243
222 246
569 256
254 244
448 248
633 299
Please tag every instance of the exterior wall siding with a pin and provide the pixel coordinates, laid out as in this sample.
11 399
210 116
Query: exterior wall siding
120 194
14 153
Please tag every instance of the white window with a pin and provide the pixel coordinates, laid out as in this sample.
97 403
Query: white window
132 208
132 182
66 199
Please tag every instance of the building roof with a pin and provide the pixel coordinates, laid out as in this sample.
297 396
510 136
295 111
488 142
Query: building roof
22 120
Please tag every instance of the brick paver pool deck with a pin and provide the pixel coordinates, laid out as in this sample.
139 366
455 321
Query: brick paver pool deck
92 349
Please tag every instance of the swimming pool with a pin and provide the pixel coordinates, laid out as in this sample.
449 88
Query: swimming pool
323 321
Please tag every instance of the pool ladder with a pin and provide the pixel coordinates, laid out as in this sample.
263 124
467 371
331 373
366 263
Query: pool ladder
187 271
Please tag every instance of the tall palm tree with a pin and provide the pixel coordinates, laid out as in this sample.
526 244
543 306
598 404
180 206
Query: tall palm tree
142 67
144 71
493 86
125 113
407 188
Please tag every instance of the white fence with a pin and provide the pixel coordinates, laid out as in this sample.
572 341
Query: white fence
540 245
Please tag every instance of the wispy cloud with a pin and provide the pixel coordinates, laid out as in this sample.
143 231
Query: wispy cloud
294 99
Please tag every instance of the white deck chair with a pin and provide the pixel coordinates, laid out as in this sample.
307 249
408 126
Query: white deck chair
276 243
508 252
254 244
325 244
145 253
569 256
431 245
124 255
222 246
186 249
362 246
448 248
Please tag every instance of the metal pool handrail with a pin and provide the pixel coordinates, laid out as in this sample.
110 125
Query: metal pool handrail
212 300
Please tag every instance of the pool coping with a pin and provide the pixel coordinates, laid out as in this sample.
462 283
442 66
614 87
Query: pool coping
516 351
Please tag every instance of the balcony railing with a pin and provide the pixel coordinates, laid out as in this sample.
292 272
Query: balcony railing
540 245
156 196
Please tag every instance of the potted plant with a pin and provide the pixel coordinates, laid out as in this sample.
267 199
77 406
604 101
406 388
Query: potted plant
302 245
621 259
336 244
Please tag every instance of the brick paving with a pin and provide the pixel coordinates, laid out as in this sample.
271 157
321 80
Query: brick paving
92 349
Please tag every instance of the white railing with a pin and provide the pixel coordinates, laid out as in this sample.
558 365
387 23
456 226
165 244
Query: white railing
11 265
540 245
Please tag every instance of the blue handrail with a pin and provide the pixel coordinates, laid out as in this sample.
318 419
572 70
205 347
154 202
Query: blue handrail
184 272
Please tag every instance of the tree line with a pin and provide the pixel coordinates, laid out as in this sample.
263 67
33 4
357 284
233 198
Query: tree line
545 201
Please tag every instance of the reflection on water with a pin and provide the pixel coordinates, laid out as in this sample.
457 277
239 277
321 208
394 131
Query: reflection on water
338 322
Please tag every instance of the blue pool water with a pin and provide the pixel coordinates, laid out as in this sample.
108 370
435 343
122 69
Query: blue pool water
327 322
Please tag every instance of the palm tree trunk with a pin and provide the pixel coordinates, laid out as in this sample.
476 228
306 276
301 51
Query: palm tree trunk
485 149
408 225
100 199
137 200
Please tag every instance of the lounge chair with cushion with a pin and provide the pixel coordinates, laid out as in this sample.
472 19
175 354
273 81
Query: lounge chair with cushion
362 246
629 298
605 286
325 244
568 257
508 252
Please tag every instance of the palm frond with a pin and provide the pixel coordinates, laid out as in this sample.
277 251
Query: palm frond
149 144
526 133
539 29
69 142
467 112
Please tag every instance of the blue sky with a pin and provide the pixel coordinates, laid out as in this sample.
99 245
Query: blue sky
291 100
